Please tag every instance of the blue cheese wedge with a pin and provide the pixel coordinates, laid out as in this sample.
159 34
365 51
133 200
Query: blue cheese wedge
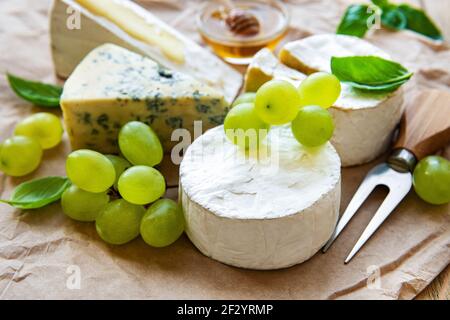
113 86
79 26
266 211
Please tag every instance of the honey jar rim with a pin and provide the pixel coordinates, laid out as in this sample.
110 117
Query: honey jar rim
247 41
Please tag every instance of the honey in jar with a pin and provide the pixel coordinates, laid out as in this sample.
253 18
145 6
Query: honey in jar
237 33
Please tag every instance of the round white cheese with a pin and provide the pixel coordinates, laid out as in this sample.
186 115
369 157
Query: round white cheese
364 121
265 211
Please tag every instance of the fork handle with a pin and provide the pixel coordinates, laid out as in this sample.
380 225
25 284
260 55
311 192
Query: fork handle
425 126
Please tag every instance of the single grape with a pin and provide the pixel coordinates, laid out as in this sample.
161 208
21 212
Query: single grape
20 155
277 102
431 179
140 144
120 165
82 205
119 222
163 223
141 185
252 128
248 97
90 170
313 126
45 127
319 89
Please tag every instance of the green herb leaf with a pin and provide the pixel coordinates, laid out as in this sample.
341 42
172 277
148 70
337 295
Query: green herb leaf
388 87
354 21
41 94
38 193
393 18
370 73
381 3
419 22
396 17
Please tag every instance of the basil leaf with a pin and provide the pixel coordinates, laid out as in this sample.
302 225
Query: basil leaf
41 94
393 18
368 69
370 72
388 87
38 193
354 21
418 21
381 3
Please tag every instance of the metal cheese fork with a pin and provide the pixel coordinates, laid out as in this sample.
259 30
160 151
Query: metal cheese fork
424 129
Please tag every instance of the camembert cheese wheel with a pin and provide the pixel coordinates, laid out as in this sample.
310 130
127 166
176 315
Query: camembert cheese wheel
269 211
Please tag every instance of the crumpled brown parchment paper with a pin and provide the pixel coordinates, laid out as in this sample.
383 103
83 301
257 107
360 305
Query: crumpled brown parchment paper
45 255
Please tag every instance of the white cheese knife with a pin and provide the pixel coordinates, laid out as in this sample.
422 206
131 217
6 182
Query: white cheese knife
424 129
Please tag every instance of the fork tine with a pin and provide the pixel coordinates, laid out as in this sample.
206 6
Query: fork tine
364 190
389 204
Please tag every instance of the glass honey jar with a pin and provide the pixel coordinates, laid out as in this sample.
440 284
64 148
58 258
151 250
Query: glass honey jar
235 42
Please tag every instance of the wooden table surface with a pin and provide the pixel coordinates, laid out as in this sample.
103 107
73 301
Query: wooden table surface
439 289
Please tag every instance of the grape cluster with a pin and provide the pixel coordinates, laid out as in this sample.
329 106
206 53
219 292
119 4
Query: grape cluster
22 153
279 102
133 181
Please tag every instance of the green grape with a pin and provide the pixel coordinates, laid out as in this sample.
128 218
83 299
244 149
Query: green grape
120 165
90 170
253 129
141 185
248 97
431 180
313 126
163 223
277 102
45 127
20 155
119 221
82 205
140 144
319 89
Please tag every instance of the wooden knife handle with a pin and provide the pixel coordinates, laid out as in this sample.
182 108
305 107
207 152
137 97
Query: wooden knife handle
425 126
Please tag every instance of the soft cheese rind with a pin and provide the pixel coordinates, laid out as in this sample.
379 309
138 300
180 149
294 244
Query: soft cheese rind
254 215
314 53
362 134
112 86
71 44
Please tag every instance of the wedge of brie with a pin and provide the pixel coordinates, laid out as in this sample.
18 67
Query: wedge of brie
364 122
264 67
266 212
79 26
